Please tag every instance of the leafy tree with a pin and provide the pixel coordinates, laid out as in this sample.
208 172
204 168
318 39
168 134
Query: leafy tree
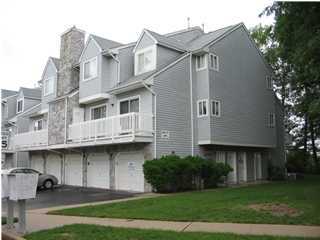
294 40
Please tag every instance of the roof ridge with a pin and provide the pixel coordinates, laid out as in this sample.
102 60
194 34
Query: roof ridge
183 31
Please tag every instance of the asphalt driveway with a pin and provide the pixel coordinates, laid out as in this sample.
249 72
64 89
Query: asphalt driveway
68 195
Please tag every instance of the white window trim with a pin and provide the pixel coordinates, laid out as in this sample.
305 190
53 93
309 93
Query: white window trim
207 103
18 100
44 88
129 98
219 106
205 62
154 58
269 78
97 106
38 120
273 124
90 60
210 63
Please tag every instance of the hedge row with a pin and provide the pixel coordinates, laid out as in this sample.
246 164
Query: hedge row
172 173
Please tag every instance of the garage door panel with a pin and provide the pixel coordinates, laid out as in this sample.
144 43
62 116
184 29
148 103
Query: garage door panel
73 169
98 171
36 163
129 171
54 166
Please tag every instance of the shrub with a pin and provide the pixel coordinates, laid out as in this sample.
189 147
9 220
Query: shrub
298 161
172 173
276 173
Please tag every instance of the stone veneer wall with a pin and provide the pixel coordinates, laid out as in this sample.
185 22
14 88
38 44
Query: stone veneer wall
56 123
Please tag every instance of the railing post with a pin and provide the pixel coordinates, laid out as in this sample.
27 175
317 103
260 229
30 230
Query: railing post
80 126
133 123
112 129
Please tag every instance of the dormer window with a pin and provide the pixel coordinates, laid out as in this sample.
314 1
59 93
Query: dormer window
214 62
48 86
20 105
90 69
201 62
145 60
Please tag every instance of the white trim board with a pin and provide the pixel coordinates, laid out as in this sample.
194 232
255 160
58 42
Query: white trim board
207 142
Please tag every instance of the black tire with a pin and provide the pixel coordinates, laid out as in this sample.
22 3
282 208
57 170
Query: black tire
48 184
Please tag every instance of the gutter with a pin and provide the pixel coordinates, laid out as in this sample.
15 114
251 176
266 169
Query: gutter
191 106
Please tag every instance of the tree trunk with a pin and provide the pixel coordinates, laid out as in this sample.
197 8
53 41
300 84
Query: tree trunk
313 145
305 137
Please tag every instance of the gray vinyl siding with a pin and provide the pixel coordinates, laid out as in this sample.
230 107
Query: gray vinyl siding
126 57
145 41
50 71
109 73
240 84
93 86
29 102
202 92
173 109
165 55
11 106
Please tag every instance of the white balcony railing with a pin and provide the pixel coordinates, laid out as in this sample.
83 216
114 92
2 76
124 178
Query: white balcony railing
115 127
31 139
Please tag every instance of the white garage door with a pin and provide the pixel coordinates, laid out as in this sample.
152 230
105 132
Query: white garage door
98 173
54 166
129 171
36 163
73 169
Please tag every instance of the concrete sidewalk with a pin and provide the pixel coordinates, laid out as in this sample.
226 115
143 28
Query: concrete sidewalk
39 221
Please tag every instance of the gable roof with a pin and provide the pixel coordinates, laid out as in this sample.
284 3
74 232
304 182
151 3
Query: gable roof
210 37
31 92
56 62
104 43
167 42
7 93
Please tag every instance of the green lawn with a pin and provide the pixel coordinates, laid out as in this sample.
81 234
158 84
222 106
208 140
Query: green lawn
94 232
220 205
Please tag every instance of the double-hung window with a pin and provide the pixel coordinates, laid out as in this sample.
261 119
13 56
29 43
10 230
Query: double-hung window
201 62
202 108
129 105
215 108
214 62
20 106
269 82
38 125
98 112
48 86
271 120
90 69
145 60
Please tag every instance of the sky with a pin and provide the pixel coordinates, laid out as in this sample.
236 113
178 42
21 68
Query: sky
30 30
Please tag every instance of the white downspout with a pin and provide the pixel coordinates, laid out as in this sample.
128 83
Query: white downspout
155 118
118 64
65 119
191 107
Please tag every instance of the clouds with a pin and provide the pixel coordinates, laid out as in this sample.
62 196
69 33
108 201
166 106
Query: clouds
30 30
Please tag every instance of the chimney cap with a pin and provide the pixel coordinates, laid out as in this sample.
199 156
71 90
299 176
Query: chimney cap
73 28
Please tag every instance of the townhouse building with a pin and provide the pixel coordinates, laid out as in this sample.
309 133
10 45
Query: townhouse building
14 106
106 107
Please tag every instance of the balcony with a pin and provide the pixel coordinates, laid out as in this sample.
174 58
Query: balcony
124 128
30 140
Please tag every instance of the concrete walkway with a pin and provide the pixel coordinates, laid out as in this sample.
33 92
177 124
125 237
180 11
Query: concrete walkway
38 220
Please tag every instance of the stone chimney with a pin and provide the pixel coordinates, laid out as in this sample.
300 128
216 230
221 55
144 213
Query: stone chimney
72 43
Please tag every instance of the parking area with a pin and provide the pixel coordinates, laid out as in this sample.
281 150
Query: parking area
68 195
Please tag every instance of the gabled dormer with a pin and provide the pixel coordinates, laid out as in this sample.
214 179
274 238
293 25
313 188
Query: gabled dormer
98 69
153 50
27 98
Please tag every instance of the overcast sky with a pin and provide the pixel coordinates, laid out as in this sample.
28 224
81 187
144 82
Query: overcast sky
30 30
